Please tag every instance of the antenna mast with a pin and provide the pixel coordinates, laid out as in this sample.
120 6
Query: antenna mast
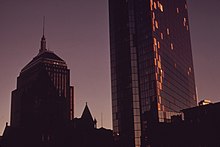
43 39
43 25
101 120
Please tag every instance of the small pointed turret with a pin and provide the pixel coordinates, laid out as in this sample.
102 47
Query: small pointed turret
86 115
43 39
86 119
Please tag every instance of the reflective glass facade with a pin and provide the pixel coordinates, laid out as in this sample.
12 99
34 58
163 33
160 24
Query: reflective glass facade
151 65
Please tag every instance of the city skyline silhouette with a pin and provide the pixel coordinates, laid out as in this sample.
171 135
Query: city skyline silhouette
78 32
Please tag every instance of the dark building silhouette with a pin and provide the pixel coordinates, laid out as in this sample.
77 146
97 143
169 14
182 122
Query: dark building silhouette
43 83
152 71
0 140
86 121
42 109
195 127
80 132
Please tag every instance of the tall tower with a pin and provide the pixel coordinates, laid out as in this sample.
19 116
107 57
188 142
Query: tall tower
43 97
152 71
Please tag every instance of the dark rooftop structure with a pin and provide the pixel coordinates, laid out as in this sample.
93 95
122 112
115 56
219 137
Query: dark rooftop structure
196 127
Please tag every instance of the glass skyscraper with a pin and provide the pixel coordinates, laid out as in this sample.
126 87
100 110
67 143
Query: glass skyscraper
152 72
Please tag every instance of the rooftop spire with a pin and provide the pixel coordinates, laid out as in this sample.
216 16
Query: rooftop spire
43 24
43 39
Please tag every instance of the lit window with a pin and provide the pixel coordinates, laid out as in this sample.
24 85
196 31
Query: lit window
158 44
159 108
155 41
161 7
158 3
159 64
171 46
159 99
156 55
151 5
156 24
190 69
177 10
153 15
154 28
155 5
168 31
161 36
155 61
184 21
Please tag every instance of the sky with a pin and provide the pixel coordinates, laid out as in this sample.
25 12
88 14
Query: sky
78 32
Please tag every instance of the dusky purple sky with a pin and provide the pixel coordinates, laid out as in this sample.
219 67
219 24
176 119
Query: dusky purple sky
77 31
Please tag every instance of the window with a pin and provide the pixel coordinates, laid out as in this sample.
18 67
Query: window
171 46
177 10
168 31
